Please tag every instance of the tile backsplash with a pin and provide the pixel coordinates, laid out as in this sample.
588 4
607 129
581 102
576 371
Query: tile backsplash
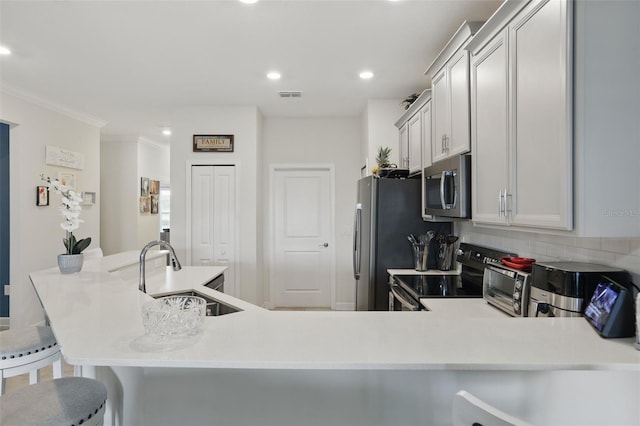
619 252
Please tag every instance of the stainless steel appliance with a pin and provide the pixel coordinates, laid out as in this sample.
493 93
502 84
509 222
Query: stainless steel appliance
563 289
507 289
447 187
387 210
406 290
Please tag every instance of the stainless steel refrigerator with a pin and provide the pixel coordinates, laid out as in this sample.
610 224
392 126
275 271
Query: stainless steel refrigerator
387 211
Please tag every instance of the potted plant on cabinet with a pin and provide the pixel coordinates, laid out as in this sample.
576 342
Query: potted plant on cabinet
382 159
70 209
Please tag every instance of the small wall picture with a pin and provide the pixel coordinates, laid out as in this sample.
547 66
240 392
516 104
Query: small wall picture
42 196
154 203
67 179
144 187
154 187
88 198
145 204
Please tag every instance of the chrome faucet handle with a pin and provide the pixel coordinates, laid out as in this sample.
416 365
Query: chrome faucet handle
142 286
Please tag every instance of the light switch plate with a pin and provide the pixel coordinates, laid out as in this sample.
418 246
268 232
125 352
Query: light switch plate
7 288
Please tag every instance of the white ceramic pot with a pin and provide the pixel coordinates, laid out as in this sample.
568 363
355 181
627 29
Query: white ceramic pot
70 263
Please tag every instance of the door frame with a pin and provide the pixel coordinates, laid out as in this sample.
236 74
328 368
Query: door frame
236 165
273 169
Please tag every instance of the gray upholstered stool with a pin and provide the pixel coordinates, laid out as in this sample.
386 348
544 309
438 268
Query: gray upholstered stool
27 350
67 401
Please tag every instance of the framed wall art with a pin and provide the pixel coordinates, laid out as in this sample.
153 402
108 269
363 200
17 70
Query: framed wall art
42 196
212 143
145 204
88 198
154 187
57 156
144 187
67 179
154 203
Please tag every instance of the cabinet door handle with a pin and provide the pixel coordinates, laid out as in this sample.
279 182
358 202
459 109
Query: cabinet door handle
502 202
445 143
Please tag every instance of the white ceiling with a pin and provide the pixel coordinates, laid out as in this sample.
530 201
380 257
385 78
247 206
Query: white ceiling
130 63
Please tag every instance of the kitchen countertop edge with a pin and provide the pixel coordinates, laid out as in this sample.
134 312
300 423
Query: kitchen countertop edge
96 317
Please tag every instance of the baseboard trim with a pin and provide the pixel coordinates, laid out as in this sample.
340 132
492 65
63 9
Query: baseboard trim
345 306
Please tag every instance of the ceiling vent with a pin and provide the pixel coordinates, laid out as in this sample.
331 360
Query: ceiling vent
290 94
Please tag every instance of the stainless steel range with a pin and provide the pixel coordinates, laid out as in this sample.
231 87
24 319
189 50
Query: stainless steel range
406 291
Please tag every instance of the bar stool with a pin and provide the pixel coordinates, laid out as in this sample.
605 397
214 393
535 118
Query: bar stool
470 410
27 350
66 401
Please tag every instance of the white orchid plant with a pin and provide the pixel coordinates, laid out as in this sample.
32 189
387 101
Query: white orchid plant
70 209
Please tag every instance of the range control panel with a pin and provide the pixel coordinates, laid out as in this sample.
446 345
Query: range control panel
474 255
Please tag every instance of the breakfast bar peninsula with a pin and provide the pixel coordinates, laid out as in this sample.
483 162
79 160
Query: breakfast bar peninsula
260 367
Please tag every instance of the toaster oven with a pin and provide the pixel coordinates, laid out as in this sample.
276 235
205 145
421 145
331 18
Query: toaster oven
507 289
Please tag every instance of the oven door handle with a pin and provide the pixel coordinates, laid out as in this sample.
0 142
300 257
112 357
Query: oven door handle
404 301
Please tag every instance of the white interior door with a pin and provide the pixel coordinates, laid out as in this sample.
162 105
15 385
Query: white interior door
302 266
213 227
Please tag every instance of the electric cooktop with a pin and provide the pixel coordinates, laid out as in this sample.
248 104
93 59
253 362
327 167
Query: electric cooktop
421 286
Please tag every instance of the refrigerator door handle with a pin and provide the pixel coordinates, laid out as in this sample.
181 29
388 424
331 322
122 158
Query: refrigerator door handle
356 241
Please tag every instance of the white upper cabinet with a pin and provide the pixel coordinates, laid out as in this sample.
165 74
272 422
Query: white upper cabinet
490 131
404 146
540 126
449 75
439 116
412 137
521 121
554 123
414 163
426 134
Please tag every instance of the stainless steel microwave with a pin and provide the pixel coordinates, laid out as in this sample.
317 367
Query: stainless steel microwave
447 188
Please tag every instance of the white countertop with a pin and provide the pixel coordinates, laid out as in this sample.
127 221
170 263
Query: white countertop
96 318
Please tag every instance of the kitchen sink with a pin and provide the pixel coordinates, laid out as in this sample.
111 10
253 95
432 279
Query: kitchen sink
214 307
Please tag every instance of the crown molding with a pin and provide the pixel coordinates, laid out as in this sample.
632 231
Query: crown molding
25 96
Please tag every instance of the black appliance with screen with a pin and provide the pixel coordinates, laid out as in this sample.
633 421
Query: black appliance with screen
386 212
610 310
407 290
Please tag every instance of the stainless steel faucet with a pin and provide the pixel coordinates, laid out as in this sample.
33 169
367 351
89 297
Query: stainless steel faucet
143 254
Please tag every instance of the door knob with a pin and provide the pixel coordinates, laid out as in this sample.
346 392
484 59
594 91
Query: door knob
324 245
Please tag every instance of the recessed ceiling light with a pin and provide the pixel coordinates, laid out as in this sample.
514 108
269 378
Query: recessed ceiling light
4 51
273 75
166 132
249 1
366 75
